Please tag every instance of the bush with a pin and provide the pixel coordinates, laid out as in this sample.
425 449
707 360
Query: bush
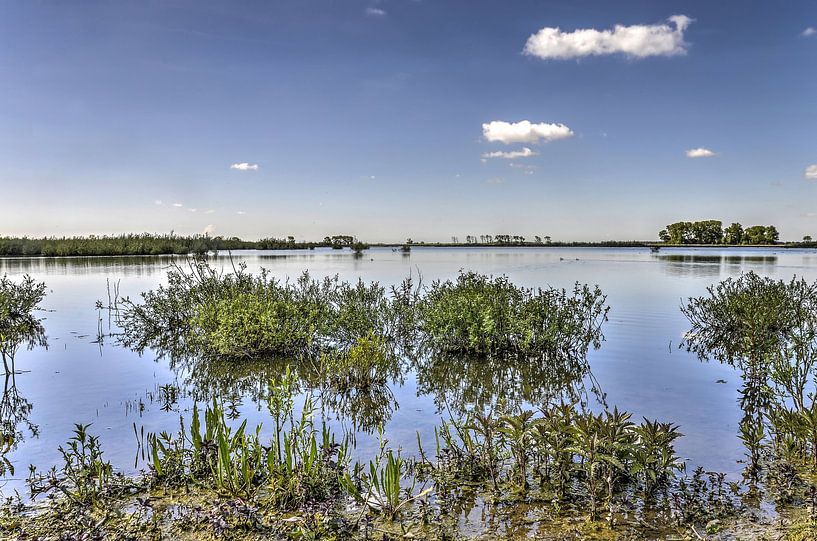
482 314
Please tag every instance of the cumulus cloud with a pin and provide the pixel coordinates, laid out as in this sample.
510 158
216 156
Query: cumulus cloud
525 152
244 166
158 202
375 12
811 172
179 205
524 132
638 41
700 153
241 213
810 31
209 230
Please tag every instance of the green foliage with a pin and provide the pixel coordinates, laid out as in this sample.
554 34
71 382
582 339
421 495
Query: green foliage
711 232
301 464
703 232
768 329
380 491
482 314
145 244
18 324
84 478
241 315
733 234
568 454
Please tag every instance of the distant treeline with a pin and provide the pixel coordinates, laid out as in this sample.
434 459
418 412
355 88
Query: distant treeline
153 244
713 232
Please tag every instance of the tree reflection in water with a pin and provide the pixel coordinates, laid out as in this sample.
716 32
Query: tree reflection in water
19 328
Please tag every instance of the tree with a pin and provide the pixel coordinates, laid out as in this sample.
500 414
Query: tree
772 235
761 234
733 234
537 239
680 233
807 238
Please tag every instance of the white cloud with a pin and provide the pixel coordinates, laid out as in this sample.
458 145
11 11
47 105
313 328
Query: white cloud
700 153
513 154
638 40
241 213
244 166
375 12
179 205
192 210
495 181
209 211
811 172
810 31
524 132
158 202
529 169
209 230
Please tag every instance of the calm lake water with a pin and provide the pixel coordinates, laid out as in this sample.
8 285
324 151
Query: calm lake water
639 366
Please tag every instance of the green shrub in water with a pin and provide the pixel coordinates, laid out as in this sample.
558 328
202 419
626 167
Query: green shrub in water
482 314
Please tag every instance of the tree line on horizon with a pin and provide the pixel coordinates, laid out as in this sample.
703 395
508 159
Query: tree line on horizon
156 244
713 232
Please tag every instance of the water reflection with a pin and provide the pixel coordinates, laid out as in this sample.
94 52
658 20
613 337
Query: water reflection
15 422
462 384
363 402
712 265
15 409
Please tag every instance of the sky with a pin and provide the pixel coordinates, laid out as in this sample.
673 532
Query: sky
579 120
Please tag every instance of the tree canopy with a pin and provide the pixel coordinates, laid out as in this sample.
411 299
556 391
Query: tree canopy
712 232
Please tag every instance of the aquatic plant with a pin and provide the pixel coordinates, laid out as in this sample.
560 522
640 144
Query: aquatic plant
18 324
768 330
300 464
481 314
240 315
84 478
381 490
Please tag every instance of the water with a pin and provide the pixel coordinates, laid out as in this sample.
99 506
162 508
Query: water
639 366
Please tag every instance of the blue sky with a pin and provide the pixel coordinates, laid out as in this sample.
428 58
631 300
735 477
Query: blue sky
374 118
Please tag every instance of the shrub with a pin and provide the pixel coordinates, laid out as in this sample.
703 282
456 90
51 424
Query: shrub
482 314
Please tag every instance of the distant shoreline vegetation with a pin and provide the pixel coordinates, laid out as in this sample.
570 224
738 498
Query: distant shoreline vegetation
157 244
702 234
712 232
